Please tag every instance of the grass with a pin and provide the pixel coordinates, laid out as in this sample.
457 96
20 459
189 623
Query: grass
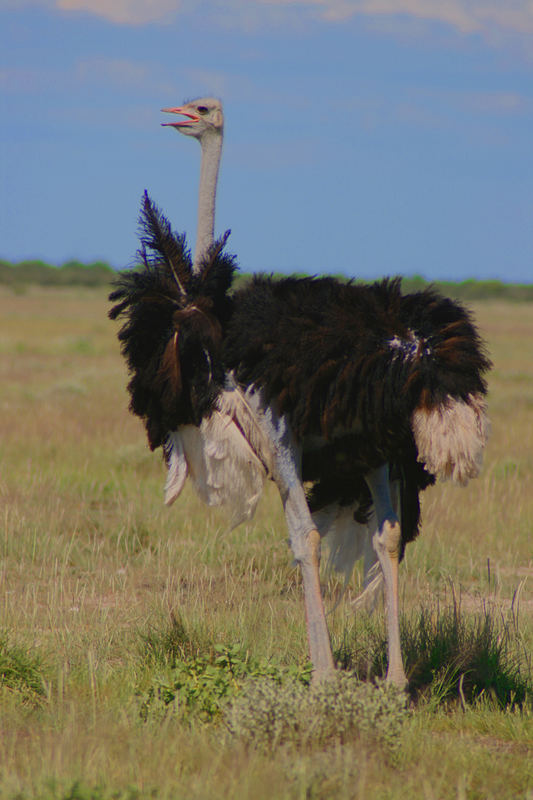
22 674
148 652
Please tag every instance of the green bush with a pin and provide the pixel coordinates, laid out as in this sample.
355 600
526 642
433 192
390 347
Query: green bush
200 686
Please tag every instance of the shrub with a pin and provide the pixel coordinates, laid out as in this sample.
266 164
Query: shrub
199 686
267 714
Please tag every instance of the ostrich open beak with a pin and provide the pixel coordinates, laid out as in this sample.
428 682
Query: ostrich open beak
183 122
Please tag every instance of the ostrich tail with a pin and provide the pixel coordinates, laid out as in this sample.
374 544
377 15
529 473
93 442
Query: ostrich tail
173 323
446 386
451 437
370 595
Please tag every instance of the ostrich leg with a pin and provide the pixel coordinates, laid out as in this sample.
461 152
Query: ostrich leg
304 538
305 544
387 546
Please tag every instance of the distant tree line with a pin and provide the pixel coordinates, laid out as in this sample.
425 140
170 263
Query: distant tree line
99 273
474 290
72 273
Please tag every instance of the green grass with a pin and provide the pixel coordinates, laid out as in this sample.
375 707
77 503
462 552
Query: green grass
449 656
22 674
148 652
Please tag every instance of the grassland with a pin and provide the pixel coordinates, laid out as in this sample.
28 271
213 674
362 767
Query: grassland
107 597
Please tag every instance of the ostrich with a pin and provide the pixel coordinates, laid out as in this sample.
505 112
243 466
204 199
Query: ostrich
363 394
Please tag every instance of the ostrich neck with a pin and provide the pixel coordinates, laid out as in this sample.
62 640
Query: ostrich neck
211 151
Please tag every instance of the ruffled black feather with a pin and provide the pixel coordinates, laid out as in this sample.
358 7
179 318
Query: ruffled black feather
173 326
340 357
348 364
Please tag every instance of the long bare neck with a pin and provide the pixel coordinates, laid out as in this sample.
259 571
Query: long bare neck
211 152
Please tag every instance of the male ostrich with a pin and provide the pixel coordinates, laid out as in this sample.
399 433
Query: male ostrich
360 392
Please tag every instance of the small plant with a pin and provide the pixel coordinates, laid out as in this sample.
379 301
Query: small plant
466 657
171 645
79 790
21 673
200 686
267 714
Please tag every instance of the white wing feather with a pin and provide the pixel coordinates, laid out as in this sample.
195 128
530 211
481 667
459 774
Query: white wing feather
227 457
177 467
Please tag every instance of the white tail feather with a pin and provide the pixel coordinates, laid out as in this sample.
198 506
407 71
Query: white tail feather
372 591
347 542
450 438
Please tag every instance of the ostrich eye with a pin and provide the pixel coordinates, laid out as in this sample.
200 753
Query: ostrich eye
202 109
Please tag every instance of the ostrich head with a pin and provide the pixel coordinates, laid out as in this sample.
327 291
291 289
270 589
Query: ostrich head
204 117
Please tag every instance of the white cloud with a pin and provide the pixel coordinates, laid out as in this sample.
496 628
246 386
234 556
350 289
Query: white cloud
128 12
466 16
447 11
488 17
16 5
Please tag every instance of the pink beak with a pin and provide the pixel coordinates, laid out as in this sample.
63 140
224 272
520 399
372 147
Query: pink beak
179 110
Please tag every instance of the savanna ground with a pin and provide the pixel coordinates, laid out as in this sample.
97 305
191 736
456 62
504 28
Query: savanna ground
128 630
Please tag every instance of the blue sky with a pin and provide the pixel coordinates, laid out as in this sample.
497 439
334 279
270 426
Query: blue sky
365 137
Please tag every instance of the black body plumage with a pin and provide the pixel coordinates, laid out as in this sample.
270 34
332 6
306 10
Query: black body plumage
347 364
339 357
